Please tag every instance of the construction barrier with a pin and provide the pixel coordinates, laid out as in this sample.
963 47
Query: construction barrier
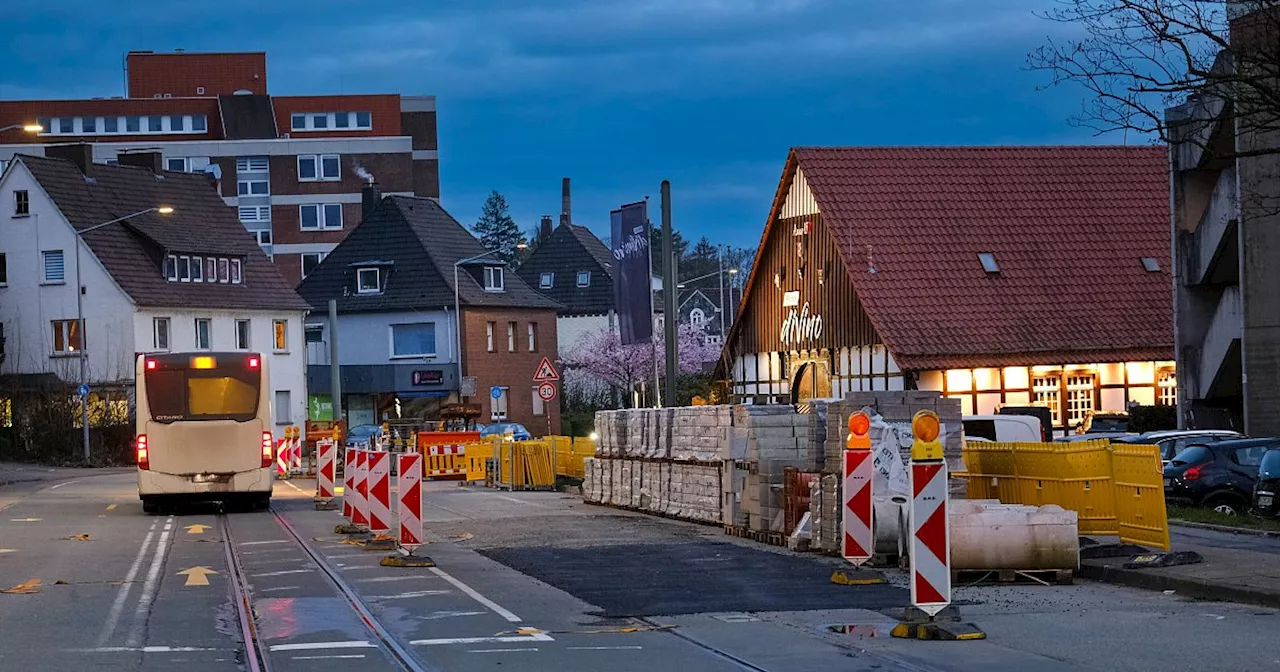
295 455
858 540
570 453
360 507
348 487
282 458
325 450
409 513
930 530
526 465
379 489
1084 477
444 461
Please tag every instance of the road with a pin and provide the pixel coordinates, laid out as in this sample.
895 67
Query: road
528 581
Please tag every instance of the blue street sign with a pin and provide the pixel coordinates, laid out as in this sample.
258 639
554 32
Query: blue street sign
83 390
495 392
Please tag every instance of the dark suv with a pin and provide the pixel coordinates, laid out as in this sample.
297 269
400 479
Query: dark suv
1267 488
1220 476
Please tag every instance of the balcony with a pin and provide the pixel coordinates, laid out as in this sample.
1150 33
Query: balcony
1211 251
1201 123
1219 373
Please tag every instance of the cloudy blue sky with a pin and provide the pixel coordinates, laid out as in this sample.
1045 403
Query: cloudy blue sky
617 94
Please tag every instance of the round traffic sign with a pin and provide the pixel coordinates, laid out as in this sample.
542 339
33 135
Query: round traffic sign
495 392
547 391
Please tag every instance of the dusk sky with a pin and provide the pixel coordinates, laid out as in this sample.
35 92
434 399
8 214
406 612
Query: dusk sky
617 94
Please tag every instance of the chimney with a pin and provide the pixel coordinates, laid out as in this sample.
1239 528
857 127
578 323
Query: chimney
79 153
149 160
566 208
371 195
544 229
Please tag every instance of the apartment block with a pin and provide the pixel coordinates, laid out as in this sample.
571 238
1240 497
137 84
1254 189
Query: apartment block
292 166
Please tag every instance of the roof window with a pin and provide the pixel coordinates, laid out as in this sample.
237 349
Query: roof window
988 260
1151 264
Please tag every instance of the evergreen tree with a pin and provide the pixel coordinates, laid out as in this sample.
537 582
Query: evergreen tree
497 230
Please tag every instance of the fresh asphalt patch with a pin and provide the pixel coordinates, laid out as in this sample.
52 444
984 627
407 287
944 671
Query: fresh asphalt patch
633 580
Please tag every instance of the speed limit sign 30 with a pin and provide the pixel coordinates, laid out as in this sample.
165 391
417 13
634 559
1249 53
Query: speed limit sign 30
547 391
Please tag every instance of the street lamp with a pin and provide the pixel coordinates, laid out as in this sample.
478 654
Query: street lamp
457 311
30 128
721 272
84 362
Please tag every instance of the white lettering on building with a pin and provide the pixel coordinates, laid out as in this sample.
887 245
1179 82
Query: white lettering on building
800 327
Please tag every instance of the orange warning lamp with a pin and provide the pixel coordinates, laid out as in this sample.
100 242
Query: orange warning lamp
925 429
859 426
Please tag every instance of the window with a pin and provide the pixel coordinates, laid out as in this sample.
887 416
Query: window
171 268
199 123
364 120
1079 397
499 405
1167 382
584 278
283 417
320 121
224 270
367 281
255 213
176 164
310 260
197 269
252 164
539 406
330 167
160 333
203 394
89 125
133 124
324 121
548 281
511 337
313 333
111 125
342 121
280 335
1250 456
493 279
4 270
187 164
184 269
155 124
697 318
204 335
307 170
242 334
253 188
1048 392
53 267
413 340
21 203
66 337
317 216
236 276
489 328
533 337
298 122
177 124
988 262
210 269
67 125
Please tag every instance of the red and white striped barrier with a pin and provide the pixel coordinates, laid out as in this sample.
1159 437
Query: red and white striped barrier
379 487
282 458
410 506
930 534
859 540
295 456
348 484
360 507
325 453
446 450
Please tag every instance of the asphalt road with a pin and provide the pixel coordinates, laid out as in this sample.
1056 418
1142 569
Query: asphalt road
527 581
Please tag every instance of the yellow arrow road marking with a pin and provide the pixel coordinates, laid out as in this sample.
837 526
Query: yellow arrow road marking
111 507
197 576
196 529
24 588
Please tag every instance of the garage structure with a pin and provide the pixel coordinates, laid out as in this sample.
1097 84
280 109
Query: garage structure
995 275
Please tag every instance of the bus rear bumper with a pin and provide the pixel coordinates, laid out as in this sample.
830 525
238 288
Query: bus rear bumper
160 483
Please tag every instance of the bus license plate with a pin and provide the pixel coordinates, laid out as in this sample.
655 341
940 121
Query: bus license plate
210 478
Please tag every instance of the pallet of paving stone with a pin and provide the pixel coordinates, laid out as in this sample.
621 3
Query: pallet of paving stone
991 577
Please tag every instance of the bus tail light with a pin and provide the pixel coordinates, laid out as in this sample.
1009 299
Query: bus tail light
144 458
268 449
254 362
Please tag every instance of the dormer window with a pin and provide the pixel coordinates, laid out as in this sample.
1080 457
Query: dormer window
493 279
171 268
191 268
368 281
548 281
584 278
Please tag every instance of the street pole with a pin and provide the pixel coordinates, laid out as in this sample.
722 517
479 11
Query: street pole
84 363
720 283
670 270
653 343
335 371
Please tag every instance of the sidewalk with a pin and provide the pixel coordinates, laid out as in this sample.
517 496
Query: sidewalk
17 472
1240 567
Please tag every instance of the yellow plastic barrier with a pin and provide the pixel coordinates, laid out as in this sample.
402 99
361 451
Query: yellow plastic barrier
1087 486
989 468
1140 506
570 453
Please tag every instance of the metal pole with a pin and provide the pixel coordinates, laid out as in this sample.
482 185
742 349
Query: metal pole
653 346
335 369
669 296
84 363
720 284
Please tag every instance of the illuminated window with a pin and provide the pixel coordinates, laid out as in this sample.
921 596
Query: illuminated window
1080 389
1167 382
1048 392
280 334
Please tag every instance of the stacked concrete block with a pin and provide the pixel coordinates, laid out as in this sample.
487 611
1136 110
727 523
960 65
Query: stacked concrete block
700 433
733 484
824 514
695 492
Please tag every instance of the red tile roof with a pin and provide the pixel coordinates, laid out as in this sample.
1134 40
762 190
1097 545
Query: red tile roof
1068 226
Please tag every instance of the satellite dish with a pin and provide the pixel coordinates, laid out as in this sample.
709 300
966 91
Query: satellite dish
215 170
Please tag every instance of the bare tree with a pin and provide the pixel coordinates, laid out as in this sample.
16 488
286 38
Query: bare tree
1174 69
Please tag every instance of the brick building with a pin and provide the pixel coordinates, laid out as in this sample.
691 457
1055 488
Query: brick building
292 166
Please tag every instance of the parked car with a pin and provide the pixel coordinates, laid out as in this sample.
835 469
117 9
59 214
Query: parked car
1220 476
512 430
1044 413
1268 485
1172 442
1002 428
1104 421
362 434
1114 436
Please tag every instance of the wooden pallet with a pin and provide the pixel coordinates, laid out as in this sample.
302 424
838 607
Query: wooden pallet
979 577
770 538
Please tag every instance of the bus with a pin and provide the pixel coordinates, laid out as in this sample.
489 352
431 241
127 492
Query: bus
203 429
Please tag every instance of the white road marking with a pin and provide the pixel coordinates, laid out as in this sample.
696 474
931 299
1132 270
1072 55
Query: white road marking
6 550
358 655
406 596
113 617
149 587
150 649
347 555
55 487
604 648
493 606
282 573
310 646
269 550
275 590
521 502
352 568
292 561
532 648
536 637
296 487
437 615
259 543
384 579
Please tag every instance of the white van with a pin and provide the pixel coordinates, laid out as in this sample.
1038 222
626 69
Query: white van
1003 428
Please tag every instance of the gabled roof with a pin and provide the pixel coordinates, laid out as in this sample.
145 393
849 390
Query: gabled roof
133 251
1068 227
567 251
419 242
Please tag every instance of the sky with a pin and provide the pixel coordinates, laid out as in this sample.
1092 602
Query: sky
616 94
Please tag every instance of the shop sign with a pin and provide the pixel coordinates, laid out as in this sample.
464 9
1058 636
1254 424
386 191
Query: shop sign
428 377
800 327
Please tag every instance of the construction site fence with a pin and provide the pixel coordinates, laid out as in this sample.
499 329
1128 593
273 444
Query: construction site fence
1116 489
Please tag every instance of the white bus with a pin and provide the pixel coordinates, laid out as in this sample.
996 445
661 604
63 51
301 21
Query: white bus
203 429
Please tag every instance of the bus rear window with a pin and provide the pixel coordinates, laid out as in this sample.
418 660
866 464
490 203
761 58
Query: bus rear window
190 394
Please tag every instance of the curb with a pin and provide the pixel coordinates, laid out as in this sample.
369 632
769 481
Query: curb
1225 528
1203 590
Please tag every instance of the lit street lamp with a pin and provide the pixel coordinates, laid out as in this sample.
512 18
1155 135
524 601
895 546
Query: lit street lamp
84 362
30 128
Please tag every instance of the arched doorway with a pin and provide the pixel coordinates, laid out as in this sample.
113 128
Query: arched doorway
812 381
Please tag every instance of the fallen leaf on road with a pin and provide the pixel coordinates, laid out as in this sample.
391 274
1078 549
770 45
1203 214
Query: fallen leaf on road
465 536
78 537
60 582
25 588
